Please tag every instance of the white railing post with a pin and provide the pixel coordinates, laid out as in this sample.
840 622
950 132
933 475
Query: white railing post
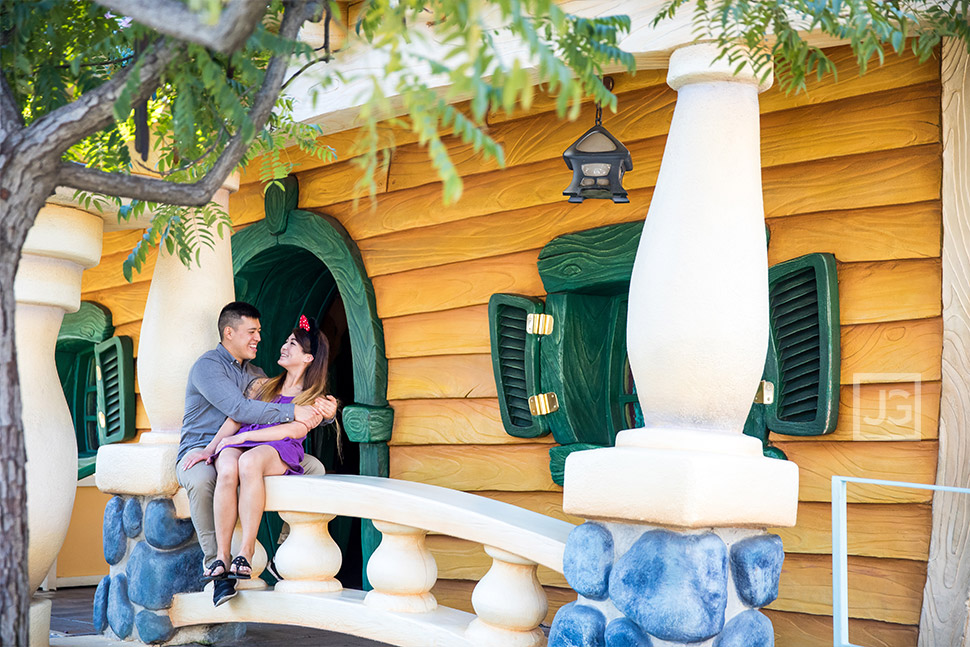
509 602
402 571
840 564
308 559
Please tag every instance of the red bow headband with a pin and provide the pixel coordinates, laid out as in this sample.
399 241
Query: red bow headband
304 324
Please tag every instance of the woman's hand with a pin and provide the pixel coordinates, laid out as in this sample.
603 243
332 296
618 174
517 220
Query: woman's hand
327 407
235 439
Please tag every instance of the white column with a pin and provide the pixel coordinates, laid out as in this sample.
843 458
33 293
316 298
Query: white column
179 324
698 325
60 245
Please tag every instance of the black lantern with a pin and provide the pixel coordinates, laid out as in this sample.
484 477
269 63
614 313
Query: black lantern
598 161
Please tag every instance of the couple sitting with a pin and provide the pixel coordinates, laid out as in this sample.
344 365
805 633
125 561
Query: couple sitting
261 424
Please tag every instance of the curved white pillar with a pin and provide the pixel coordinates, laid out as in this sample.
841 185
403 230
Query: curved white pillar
61 244
698 325
179 324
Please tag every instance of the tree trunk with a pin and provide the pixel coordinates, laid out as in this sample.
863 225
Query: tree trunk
23 190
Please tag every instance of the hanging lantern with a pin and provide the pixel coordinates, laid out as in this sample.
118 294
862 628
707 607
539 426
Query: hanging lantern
598 161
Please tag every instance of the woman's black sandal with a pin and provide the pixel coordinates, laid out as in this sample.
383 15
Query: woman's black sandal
209 575
240 562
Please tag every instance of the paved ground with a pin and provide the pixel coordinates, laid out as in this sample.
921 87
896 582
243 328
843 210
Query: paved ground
71 626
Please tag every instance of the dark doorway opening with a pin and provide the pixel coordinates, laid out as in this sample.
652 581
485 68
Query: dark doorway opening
284 282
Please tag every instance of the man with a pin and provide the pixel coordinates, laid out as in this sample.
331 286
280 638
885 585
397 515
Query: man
214 392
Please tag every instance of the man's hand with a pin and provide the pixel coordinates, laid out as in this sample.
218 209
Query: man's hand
309 415
235 439
194 457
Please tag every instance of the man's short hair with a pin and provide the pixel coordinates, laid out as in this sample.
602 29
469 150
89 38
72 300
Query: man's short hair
233 313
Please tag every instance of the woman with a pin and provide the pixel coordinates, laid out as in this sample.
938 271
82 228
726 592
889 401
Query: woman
243 456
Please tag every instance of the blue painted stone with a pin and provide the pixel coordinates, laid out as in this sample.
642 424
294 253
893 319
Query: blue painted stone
131 517
623 632
154 576
162 529
99 617
587 560
577 625
747 629
121 615
756 567
113 538
673 585
153 628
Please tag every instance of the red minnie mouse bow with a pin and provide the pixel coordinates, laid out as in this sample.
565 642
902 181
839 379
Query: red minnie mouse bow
304 323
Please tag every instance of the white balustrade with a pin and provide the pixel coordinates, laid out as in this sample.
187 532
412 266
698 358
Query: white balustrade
308 559
402 570
510 603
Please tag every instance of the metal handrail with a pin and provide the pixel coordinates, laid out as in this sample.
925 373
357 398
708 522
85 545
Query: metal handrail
840 548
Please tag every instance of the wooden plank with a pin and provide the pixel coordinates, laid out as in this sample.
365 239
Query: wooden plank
896 71
890 290
108 274
523 468
247 205
335 183
818 462
133 330
114 242
889 590
880 412
547 503
900 531
641 114
141 415
872 179
459 559
494 235
901 117
471 421
441 376
457 594
457 285
126 302
461 331
806 630
872 234
902 351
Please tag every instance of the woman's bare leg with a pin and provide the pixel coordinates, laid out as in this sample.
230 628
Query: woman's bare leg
224 502
253 466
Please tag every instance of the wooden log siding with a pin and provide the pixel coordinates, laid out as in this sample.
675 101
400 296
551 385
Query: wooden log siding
852 168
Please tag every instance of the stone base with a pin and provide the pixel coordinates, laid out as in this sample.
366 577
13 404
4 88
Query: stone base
143 469
39 628
682 478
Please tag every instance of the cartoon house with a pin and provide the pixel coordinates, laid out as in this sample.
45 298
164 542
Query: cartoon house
426 305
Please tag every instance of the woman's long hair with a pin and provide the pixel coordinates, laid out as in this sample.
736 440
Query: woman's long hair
314 375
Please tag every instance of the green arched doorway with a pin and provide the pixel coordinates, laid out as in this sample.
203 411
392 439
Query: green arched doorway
313 267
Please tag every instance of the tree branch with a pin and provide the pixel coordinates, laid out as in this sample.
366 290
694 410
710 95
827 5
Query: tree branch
198 193
10 117
57 131
170 17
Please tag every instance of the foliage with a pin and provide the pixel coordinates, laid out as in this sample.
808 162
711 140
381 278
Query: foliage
762 32
54 51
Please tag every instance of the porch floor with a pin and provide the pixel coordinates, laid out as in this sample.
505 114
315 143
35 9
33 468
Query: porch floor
71 610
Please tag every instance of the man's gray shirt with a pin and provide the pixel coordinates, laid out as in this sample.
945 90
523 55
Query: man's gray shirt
215 391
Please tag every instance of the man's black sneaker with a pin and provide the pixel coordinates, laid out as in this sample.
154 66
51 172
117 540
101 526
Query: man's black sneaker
223 590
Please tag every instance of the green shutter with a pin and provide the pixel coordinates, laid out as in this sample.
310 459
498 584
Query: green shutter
116 390
804 361
515 361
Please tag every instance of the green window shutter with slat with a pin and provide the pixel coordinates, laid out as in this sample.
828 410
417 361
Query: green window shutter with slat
116 390
515 362
804 361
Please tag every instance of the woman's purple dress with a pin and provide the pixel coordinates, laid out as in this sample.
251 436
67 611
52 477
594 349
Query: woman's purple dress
289 449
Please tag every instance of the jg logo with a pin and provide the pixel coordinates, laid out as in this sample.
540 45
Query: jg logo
886 402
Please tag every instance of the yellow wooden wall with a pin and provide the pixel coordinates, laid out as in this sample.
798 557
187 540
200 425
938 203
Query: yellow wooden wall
851 168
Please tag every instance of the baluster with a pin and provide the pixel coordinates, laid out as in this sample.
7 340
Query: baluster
308 559
509 602
402 571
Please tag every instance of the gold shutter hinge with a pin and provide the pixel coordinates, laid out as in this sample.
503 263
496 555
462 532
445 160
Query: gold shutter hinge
538 324
765 394
544 403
